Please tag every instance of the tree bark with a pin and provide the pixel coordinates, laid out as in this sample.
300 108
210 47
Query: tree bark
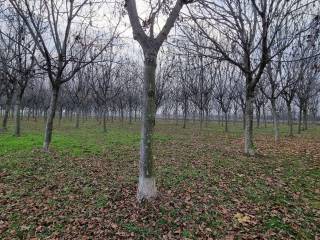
290 122
248 132
147 184
185 111
50 118
275 120
17 129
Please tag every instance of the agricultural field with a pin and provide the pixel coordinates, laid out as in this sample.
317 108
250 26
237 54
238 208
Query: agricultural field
85 186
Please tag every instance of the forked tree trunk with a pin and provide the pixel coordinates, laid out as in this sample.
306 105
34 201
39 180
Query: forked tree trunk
248 132
147 184
50 118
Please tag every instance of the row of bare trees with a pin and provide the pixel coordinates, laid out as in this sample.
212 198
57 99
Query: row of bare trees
256 57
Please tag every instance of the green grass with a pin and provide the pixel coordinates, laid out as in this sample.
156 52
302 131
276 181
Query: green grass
86 184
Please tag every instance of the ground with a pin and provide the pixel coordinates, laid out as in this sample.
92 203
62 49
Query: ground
85 187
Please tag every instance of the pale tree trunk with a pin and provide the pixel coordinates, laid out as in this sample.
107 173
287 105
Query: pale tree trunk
50 118
275 120
147 183
248 135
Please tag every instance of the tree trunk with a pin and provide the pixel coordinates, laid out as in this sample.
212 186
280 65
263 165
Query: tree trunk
130 114
290 122
248 136
78 118
226 121
305 116
244 119
60 115
258 113
7 112
264 115
275 120
300 119
104 120
50 117
147 183
185 111
17 129
176 113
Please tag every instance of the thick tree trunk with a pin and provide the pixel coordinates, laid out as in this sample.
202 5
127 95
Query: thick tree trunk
248 135
275 120
147 183
50 118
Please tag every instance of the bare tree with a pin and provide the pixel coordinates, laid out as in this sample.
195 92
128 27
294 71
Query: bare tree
150 45
70 48
242 32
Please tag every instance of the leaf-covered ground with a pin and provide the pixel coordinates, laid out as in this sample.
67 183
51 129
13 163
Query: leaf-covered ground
85 187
